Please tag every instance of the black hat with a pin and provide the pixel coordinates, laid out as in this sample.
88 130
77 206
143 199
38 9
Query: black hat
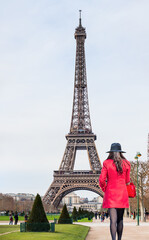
115 147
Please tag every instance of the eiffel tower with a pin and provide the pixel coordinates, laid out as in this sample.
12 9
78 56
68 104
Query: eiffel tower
80 137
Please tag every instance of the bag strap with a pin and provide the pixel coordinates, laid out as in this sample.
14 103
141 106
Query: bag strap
129 166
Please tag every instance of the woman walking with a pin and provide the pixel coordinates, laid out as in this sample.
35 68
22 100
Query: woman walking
115 175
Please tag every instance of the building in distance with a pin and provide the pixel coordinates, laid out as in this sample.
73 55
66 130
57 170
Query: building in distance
22 196
73 200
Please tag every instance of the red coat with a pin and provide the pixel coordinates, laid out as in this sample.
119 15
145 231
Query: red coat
115 190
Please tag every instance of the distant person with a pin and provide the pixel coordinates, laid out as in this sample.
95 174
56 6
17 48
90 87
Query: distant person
116 171
107 215
16 218
10 219
102 217
95 215
134 215
25 218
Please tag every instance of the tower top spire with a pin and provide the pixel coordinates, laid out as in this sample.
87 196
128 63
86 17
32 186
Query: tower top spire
80 18
80 31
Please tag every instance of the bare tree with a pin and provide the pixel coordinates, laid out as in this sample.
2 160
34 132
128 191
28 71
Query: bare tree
6 203
143 182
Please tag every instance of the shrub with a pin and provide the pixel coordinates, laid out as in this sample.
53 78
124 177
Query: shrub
38 221
75 214
64 217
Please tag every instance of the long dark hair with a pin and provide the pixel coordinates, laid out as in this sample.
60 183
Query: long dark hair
117 159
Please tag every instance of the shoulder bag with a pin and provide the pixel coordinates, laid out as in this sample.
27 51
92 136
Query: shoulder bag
131 189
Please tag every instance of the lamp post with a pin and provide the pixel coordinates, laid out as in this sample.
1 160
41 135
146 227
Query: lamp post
136 157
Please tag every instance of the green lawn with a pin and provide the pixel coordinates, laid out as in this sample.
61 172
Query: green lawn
85 220
6 218
62 232
7 228
50 217
21 218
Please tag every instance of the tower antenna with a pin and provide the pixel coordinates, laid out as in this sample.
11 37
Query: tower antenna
80 17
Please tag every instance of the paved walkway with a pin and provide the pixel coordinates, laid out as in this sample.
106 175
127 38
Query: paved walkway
101 231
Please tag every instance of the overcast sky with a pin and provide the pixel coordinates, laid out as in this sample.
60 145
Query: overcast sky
37 62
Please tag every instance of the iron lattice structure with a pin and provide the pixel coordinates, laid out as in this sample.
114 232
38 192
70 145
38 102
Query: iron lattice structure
80 122
148 149
80 137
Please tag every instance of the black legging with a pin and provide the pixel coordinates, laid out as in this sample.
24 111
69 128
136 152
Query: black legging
116 222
